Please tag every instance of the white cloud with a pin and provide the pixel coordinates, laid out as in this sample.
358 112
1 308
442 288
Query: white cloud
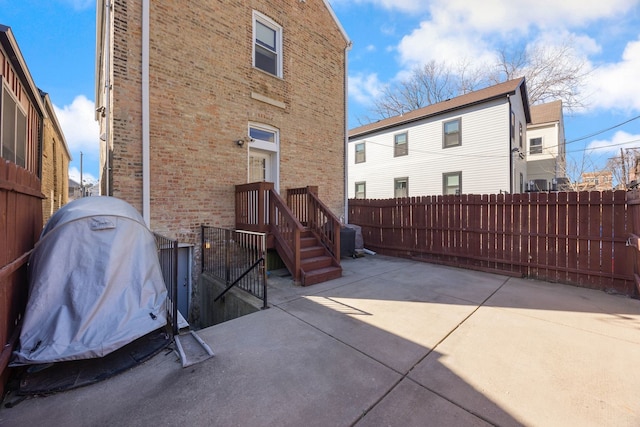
614 85
408 6
451 45
517 15
364 88
620 139
79 126
74 174
79 4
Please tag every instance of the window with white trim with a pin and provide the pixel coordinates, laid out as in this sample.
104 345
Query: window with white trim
535 145
267 44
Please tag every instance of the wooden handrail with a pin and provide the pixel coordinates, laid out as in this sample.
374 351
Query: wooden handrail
260 208
325 224
252 206
287 230
312 212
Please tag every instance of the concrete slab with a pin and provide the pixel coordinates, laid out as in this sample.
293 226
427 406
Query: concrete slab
393 342
410 404
269 369
588 309
282 289
547 369
398 316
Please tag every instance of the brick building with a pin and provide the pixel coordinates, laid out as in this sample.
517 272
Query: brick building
55 162
194 98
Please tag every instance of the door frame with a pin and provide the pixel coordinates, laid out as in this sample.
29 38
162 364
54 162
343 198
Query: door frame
271 148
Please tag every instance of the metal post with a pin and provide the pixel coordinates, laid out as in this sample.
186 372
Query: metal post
174 288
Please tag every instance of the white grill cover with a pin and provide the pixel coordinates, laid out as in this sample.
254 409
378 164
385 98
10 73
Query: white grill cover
95 284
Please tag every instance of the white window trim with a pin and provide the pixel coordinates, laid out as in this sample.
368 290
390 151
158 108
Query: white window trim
273 147
541 145
265 20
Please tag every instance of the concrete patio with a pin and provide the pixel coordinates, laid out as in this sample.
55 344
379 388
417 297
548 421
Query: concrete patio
393 342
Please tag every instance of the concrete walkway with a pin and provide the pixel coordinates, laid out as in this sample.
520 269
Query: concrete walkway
393 342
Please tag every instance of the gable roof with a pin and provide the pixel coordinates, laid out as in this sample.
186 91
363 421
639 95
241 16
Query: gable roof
337 21
472 98
546 113
10 46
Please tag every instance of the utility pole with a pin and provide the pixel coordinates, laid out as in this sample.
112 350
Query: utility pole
81 182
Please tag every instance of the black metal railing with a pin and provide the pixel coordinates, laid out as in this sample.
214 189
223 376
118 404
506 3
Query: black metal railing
236 257
168 257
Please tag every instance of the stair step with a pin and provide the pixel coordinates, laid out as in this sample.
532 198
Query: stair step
311 252
306 242
316 262
321 275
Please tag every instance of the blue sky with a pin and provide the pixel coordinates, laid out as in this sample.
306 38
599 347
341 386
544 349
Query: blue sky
390 37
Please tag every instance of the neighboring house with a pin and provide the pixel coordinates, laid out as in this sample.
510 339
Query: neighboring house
194 98
21 120
55 162
546 162
75 190
596 181
474 143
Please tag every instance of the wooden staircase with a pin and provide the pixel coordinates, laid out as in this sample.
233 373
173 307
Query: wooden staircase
304 232
316 261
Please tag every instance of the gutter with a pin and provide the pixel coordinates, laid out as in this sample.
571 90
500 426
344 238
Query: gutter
146 186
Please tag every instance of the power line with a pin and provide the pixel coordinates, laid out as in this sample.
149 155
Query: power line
602 131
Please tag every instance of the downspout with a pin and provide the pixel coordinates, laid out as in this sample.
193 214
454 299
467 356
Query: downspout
107 95
346 132
146 187
511 136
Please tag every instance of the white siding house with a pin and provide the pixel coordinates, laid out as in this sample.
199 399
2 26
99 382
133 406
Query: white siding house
546 146
471 144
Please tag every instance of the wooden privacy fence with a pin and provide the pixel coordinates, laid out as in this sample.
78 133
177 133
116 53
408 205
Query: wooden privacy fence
20 227
575 238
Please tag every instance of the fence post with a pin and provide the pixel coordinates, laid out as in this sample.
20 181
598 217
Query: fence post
633 203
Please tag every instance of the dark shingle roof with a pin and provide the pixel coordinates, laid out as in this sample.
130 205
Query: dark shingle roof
471 98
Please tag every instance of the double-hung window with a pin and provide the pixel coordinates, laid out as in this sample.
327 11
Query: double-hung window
401 187
400 144
267 46
535 146
451 133
452 183
361 190
360 153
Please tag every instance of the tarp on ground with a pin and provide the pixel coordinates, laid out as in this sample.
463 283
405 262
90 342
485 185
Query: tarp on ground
95 284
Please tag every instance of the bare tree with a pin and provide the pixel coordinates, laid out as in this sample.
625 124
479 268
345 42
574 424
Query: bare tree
553 72
434 82
624 167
